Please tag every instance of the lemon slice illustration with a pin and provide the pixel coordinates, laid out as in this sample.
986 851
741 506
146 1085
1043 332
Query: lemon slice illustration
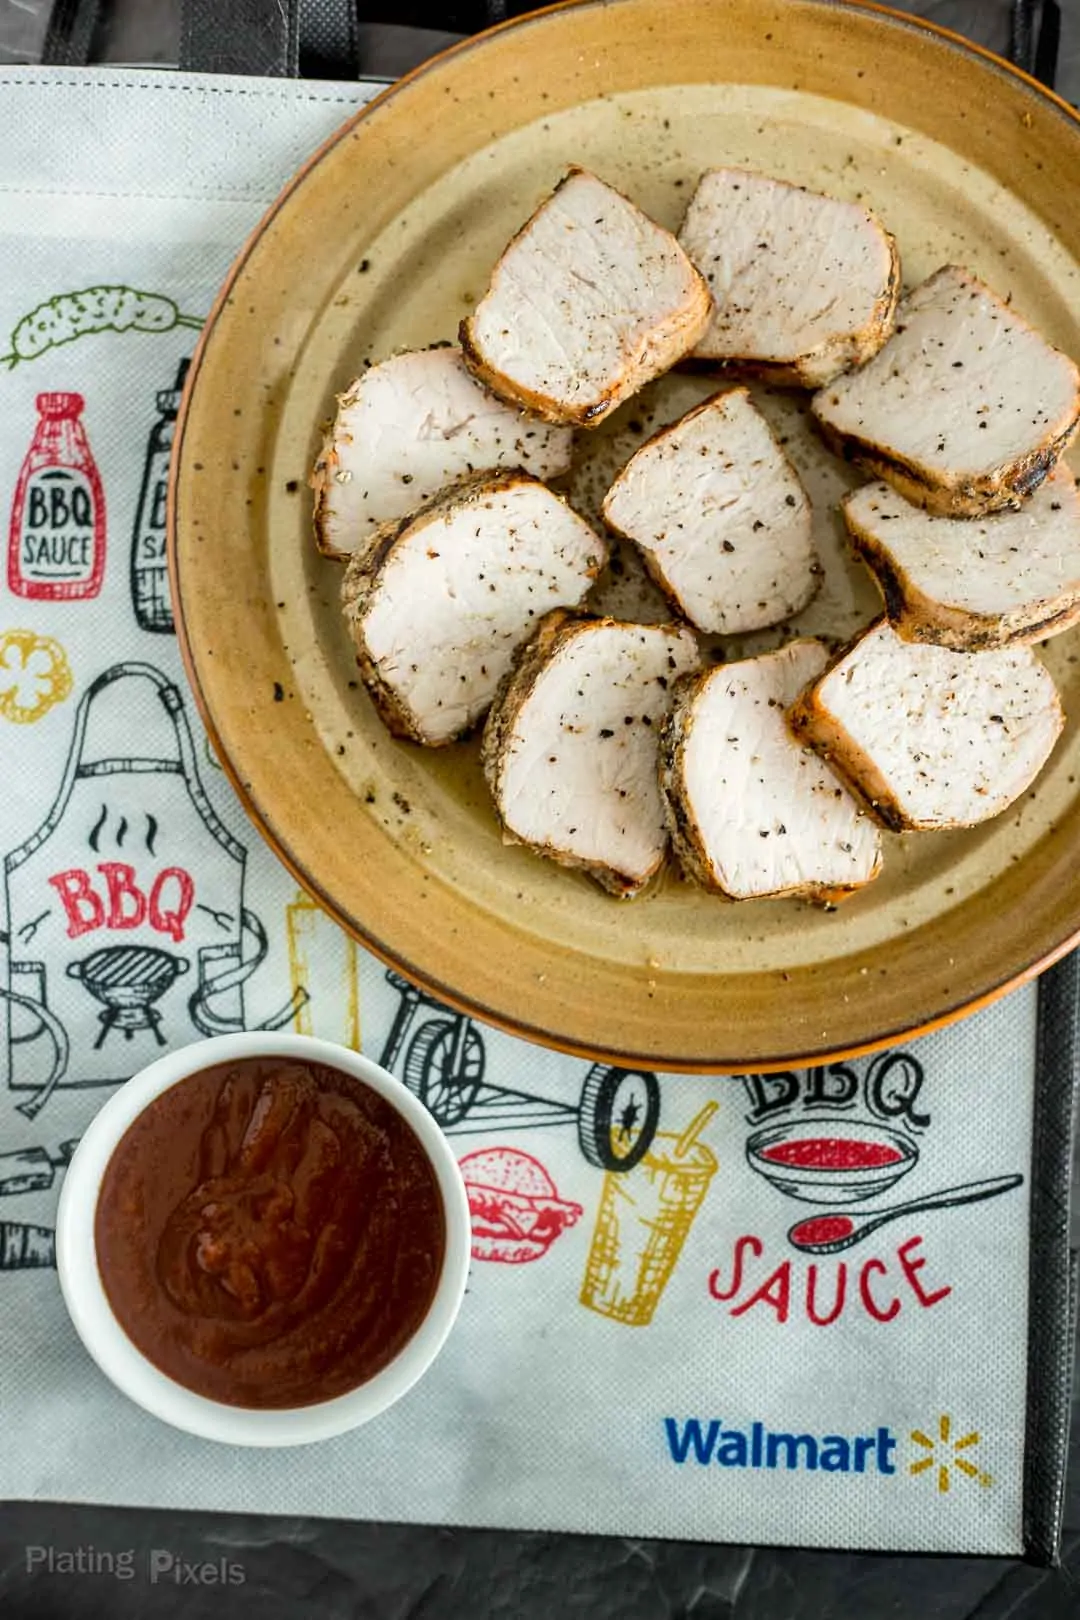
34 675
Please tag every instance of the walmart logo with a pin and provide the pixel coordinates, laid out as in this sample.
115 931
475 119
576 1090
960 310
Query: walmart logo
707 1442
759 1447
944 1454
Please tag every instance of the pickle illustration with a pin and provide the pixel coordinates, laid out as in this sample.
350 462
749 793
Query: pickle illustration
93 309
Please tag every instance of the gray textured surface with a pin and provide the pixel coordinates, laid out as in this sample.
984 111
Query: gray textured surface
22 29
326 1570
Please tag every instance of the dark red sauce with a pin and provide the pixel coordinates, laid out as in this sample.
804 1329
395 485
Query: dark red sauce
822 1229
270 1233
833 1153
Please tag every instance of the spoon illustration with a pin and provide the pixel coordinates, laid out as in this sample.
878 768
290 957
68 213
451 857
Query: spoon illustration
828 1234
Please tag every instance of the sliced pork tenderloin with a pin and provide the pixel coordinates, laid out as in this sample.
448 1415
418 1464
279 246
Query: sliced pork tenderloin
589 302
439 603
965 410
754 813
928 737
973 583
720 517
407 428
571 745
804 285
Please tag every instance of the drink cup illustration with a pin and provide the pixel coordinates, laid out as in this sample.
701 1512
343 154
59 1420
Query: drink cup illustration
642 1223
323 962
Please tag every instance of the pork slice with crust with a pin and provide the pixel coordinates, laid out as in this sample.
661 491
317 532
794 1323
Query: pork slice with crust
439 603
804 285
571 745
589 302
720 517
753 812
407 428
973 583
928 737
965 410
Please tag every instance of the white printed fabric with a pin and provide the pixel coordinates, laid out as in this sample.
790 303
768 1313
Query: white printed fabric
650 1344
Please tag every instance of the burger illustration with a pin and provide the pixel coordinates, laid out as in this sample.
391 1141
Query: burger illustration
516 1211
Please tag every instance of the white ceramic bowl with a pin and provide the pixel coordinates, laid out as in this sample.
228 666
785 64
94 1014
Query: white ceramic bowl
129 1369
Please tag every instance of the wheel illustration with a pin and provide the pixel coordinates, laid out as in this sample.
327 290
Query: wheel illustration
445 1081
618 1116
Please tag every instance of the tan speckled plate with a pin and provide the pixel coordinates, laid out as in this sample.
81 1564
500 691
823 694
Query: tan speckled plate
384 241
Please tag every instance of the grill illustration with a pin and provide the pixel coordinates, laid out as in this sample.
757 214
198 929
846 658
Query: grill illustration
127 980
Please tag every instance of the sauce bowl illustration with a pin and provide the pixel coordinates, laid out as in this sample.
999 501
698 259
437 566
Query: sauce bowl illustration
830 1161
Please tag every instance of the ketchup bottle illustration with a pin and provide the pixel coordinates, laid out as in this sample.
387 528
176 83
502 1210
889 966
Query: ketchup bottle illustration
56 541
149 569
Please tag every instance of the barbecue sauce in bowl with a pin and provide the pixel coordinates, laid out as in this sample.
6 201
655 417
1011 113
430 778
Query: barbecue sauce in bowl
270 1232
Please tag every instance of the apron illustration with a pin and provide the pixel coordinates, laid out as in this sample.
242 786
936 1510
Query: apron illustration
125 923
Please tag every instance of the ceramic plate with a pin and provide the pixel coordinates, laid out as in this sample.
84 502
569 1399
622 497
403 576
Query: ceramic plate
383 242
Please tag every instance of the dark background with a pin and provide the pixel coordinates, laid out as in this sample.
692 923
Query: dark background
295 1568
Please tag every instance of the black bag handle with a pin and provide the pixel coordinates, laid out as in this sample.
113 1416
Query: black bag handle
260 37
69 37
323 38
318 38
1035 38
